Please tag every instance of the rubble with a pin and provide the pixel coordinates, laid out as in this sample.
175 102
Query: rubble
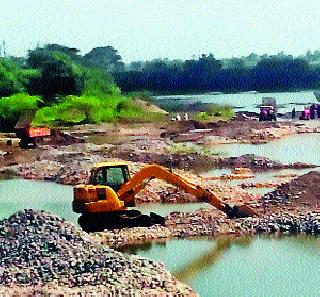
40 252
302 190
259 163
260 185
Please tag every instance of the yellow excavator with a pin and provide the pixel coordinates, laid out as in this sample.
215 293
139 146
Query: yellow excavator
103 202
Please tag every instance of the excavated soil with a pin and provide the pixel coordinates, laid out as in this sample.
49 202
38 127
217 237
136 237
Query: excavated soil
303 190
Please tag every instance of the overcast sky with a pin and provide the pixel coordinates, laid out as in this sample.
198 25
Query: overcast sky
147 29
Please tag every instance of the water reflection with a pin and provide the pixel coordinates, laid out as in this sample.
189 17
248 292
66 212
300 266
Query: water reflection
249 266
208 259
134 249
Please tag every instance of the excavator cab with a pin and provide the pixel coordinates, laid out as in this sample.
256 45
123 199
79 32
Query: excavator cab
103 206
109 174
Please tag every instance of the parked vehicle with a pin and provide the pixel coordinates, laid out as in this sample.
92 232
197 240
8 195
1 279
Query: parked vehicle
267 113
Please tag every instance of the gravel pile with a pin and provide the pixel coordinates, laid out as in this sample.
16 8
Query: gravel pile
39 249
283 222
303 190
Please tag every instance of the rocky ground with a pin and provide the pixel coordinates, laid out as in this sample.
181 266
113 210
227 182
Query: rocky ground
302 190
238 130
289 209
72 164
43 254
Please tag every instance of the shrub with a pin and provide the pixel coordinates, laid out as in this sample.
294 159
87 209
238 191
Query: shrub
12 107
215 112
10 78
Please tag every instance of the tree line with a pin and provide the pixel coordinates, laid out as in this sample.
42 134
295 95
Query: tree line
67 87
55 70
63 86
207 74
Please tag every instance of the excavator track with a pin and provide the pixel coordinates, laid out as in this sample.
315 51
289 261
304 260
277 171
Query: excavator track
98 222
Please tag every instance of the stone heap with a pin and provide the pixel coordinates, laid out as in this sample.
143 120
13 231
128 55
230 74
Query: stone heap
40 250
302 190
307 222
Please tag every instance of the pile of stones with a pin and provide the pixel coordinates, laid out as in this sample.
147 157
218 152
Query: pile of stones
284 222
302 190
127 236
38 249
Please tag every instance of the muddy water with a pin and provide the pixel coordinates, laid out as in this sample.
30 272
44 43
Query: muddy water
18 194
259 266
259 177
289 149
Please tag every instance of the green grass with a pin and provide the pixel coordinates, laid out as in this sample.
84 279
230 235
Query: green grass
215 113
190 148
91 109
129 111
142 95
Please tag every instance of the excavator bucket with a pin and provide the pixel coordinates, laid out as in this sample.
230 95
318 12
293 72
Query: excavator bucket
240 211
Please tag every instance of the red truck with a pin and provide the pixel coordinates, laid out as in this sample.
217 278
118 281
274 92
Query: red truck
29 135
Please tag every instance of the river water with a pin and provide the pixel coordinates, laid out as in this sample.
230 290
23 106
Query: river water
258 266
289 149
286 101
18 194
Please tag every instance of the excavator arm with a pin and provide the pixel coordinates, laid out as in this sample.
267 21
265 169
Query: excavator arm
129 189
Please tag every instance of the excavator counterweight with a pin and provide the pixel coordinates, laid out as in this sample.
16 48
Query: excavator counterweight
104 201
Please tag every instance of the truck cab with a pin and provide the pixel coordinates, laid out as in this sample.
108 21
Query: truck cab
267 113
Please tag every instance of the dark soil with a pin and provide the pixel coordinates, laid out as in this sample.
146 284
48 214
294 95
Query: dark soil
303 190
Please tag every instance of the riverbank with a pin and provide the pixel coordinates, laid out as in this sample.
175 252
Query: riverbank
71 165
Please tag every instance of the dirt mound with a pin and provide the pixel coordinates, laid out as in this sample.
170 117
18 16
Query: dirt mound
303 190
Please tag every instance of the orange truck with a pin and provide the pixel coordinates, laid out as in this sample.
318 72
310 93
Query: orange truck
29 135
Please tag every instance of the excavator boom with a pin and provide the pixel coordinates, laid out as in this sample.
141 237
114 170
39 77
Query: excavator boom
129 189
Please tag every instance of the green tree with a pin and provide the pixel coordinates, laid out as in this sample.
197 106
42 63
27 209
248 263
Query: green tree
11 108
10 78
236 64
59 75
105 57
41 55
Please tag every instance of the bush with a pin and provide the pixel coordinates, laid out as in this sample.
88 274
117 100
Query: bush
10 78
91 109
214 113
75 110
12 107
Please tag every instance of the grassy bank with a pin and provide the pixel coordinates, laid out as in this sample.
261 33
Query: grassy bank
215 113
